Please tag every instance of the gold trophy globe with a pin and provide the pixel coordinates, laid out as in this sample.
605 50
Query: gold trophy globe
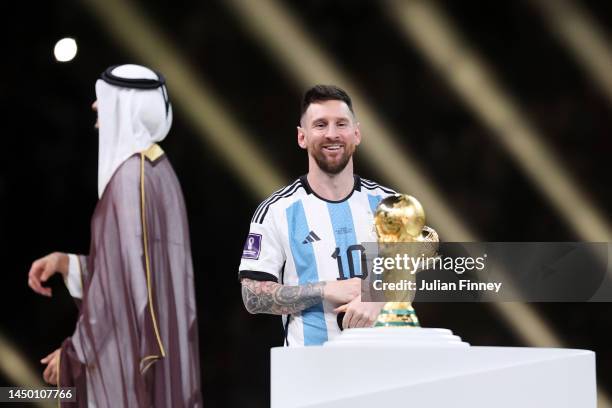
400 218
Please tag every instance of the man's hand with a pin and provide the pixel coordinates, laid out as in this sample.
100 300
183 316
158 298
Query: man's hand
359 314
42 269
342 291
50 374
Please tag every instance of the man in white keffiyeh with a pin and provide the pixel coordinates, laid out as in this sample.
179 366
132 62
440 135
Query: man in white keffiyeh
136 339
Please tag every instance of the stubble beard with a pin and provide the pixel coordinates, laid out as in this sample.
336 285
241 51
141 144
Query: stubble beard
333 167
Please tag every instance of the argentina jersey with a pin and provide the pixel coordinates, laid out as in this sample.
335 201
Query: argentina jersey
297 237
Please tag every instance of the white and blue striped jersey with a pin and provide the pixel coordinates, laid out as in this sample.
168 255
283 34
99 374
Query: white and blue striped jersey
297 237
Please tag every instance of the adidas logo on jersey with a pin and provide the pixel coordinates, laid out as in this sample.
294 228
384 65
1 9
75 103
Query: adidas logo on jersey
311 237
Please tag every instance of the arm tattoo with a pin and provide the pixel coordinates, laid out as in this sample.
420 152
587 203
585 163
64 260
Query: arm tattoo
274 298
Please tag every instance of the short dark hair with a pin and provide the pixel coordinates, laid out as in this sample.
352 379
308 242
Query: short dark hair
320 93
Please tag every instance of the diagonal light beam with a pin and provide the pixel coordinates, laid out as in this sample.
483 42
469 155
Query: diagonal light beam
190 94
584 38
424 24
16 369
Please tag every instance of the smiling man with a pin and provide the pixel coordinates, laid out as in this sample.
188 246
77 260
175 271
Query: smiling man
302 256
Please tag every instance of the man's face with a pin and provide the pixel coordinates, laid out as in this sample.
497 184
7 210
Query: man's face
329 133
94 107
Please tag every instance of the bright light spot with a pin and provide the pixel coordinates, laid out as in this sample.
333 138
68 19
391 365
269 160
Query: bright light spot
65 49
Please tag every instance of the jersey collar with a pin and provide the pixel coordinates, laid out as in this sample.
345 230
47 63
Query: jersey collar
309 190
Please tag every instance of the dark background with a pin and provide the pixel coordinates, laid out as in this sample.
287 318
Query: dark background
49 165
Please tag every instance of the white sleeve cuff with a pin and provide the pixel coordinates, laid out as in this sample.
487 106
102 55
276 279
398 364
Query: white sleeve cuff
73 280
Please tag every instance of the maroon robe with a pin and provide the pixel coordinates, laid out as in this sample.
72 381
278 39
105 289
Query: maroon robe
136 340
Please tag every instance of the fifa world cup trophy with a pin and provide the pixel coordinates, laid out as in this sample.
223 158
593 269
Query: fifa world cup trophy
400 218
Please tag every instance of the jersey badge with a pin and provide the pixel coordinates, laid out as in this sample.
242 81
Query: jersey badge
252 246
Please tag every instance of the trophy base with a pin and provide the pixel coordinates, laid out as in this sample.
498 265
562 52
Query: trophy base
397 336
397 314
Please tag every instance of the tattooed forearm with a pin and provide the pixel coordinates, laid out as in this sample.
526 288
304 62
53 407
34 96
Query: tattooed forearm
274 298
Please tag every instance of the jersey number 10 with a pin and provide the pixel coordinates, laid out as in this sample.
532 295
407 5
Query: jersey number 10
349 256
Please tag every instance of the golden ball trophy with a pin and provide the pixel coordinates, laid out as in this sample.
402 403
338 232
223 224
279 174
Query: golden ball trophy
400 218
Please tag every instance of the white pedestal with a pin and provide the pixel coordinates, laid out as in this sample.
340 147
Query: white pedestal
415 367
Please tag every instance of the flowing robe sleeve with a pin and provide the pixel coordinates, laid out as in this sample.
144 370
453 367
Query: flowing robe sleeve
136 339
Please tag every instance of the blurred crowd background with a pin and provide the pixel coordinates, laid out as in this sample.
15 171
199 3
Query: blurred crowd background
496 115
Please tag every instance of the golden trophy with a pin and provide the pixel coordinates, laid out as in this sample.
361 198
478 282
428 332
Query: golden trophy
400 218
